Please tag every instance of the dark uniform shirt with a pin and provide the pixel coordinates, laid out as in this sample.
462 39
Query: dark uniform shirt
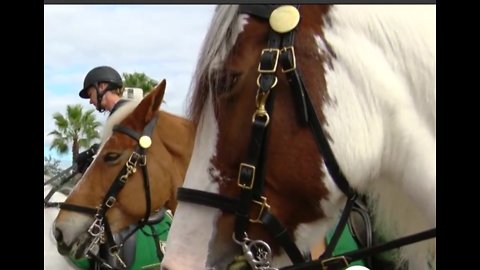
118 105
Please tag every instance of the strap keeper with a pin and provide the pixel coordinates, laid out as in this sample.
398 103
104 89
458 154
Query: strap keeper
289 51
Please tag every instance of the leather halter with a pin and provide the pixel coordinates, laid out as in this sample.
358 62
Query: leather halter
280 48
100 228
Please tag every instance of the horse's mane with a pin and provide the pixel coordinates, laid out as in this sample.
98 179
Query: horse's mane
401 40
220 38
114 119
408 45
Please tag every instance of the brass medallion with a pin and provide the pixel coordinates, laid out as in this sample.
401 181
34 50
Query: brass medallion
145 141
284 19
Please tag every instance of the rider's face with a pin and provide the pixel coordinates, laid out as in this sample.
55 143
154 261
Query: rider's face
92 93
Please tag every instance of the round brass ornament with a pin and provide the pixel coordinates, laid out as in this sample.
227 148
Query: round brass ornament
284 19
145 141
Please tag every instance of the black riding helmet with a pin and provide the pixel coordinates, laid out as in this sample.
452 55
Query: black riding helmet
98 75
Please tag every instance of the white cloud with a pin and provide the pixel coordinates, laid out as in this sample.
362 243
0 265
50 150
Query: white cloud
163 41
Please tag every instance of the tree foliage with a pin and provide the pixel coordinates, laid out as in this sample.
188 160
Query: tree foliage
139 80
51 166
74 130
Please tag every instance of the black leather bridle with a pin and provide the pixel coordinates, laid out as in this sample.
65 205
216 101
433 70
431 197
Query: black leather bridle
280 50
100 228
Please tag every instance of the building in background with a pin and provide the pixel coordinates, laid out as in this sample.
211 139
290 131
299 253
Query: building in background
133 93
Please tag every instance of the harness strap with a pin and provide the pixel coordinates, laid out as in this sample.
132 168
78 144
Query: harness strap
339 229
148 199
77 208
289 68
361 227
252 171
205 198
281 235
324 148
247 178
70 170
56 188
115 188
127 131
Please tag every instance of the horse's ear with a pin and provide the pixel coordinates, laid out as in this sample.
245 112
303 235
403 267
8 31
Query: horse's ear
155 98
150 104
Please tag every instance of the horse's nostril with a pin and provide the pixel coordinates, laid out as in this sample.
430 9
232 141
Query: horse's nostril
57 233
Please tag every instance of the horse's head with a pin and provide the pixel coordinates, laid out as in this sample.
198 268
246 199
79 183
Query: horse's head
256 98
141 162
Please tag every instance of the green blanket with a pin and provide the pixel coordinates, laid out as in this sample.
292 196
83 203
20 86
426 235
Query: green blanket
345 243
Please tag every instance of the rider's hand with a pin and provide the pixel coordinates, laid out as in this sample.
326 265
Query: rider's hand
85 158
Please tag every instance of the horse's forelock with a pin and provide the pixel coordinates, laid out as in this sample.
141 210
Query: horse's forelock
221 36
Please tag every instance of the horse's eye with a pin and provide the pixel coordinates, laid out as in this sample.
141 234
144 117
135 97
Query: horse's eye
226 81
110 157
234 78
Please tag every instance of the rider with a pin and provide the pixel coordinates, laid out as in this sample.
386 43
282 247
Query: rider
103 85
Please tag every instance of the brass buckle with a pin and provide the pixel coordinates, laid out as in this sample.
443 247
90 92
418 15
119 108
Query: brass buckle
275 50
263 205
325 267
285 49
245 186
133 159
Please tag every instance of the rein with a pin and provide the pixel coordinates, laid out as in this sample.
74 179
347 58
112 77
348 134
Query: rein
100 228
280 49
64 176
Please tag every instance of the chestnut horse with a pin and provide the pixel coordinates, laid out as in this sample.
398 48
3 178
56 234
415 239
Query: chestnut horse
142 160
297 110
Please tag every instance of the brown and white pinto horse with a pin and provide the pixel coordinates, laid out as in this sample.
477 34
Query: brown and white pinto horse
270 103
141 162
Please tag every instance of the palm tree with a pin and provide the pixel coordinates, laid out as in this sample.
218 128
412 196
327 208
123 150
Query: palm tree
77 128
139 80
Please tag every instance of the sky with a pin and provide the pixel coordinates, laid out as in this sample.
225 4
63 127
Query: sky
162 41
